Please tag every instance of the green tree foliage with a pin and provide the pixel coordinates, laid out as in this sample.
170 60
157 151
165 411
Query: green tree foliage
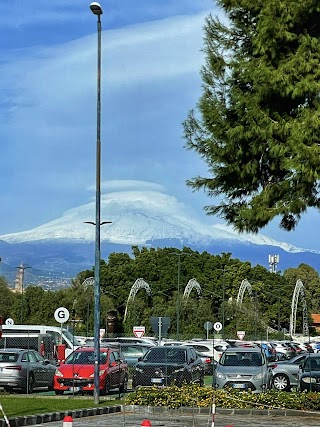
6 300
257 122
219 276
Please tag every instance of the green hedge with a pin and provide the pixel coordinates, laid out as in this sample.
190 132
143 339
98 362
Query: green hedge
194 395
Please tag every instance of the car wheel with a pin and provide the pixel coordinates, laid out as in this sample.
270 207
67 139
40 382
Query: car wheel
59 392
107 386
29 385
281 382
201 381
7 388
124 386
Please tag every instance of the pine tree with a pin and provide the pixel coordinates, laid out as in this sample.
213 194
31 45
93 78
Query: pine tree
257 123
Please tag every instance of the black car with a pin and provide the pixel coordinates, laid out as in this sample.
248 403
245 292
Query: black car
309 373
131 352
165 366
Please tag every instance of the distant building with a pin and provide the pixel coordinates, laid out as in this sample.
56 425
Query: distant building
316 321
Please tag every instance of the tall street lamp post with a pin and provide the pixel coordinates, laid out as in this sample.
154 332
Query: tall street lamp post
179 255
97 10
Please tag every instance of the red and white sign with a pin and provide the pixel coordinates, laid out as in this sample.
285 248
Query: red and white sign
139 331
241 334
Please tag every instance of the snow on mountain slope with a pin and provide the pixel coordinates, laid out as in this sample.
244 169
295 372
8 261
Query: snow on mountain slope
138 217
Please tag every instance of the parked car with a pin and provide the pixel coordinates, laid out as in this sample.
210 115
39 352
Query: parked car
285 373
315 346
269 350
207 363
77 372
25 370
282 348
309 373
131 352
165 366
244 369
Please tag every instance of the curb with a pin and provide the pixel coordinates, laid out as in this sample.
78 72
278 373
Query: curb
157 410
30 420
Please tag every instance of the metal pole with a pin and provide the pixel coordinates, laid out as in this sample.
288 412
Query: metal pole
97 229
223 296
178 299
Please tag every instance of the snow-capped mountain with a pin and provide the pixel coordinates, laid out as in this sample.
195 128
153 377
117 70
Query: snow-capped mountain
65 245
137 218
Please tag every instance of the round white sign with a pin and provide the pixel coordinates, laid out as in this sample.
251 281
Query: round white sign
9 321
61 315
217 326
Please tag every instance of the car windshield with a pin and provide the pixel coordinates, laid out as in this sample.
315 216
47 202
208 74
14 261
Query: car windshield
241 359
312 364
8 357
71 337
165 355
84 358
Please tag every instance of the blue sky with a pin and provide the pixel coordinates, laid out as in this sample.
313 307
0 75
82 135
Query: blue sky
151 58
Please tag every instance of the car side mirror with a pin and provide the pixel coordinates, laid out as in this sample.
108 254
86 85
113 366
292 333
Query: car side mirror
139 359
112 364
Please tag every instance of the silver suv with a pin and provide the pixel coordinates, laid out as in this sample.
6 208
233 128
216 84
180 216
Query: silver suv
243 369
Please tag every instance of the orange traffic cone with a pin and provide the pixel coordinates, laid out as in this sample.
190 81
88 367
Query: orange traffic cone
146 423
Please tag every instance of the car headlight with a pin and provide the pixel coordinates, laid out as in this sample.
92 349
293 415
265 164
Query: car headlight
139 370
258 376
177 370
220 376
58 373
101 372
308 380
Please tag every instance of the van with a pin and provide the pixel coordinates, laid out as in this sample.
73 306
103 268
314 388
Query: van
243 369
60 336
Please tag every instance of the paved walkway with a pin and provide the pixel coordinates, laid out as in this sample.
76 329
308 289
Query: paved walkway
132 417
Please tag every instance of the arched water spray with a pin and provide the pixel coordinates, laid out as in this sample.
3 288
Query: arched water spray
138 284
299 291
192 284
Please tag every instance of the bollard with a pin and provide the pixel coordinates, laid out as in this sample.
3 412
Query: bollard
146 423
67 421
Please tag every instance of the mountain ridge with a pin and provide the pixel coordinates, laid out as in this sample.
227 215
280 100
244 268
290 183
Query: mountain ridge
65 246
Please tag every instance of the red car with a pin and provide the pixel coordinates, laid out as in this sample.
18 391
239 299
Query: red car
77 372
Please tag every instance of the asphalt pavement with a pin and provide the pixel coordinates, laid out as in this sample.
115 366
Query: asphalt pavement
131 418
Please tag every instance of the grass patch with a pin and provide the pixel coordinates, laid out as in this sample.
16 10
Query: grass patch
16 406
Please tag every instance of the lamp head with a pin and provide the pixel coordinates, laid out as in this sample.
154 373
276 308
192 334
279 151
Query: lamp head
96 8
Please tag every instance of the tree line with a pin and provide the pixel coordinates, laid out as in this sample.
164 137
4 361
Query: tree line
219 276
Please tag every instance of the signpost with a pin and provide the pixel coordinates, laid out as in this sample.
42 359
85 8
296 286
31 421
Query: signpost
241 334
139 331
61 315
207 326
160 326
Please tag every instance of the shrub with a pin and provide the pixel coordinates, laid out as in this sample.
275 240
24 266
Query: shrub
194 395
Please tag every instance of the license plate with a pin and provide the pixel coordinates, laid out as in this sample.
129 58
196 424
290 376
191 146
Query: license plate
156 380
74 389
238 385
